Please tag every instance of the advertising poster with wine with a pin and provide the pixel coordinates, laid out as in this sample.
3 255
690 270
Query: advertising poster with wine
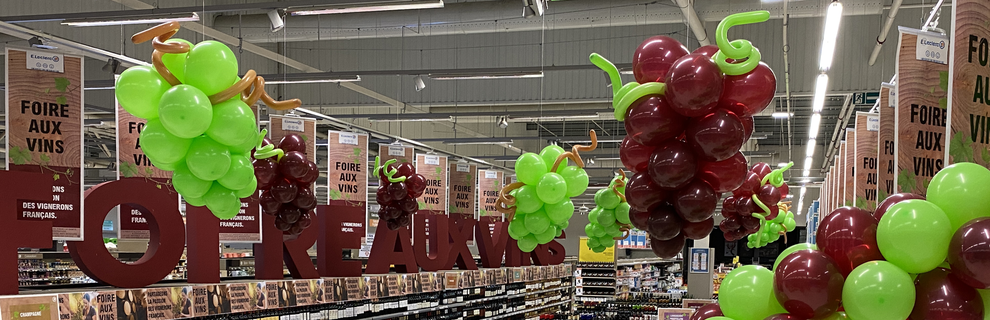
399 152
850 167
867 127
434 169
920 117
44 93
840 172
347 156
461 181
968 84
885 156
489 188
133 163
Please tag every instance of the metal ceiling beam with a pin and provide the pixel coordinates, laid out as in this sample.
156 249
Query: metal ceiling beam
68 46
171 10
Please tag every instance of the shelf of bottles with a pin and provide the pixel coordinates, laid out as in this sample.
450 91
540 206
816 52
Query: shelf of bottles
647 276
638 239
595 281
43 269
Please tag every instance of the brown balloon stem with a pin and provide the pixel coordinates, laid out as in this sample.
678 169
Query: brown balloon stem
575 153
625 231
620 183
506 202
251 86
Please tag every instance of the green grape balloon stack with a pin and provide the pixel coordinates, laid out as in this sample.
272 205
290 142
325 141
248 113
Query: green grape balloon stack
609 220
199 123
686 117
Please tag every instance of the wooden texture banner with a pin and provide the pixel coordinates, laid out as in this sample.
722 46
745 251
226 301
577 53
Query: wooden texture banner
489 187
850 168
132 162
867 128
398 152
434 168
885 157
836 180
462 181
281 126
245 227
969 84
920 121
842 174
347 156
44 116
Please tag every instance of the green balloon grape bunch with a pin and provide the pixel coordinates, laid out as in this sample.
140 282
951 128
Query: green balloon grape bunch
771 230
539 205
610 218
198 126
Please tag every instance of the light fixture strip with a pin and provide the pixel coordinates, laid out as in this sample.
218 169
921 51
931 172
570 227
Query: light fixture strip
818 100
336 80
132 20
408 5
833 17
521 75
815 125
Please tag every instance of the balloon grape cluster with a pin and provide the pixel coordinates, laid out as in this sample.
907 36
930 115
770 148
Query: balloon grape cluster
286 182
753 204
539 204
918 257
399 187
686 118
610 218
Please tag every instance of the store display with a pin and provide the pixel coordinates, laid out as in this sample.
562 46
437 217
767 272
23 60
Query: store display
398 188
609 220
285 178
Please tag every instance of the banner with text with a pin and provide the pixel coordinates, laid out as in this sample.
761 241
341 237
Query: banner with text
462 180
842 174
850 167
885 157
398 152
434 169
281 126
44 116
968 84
489 186
920 120
867 128
347 157
132 162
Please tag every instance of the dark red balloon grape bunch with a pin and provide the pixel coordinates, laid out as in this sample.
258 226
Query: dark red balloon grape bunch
685 120
285 179
738 209
398 188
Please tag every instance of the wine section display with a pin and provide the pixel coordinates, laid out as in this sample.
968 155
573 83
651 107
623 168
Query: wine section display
595 281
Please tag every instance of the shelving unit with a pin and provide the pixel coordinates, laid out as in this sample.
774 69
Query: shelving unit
651 275
595 279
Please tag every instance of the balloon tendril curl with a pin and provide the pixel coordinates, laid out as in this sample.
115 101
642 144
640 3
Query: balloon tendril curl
575 153
263 151
389 172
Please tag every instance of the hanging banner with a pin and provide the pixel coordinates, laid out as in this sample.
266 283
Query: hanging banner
841 176
44 119
347 156
968 84
434 168
132 162
920 118
245 227
462 180
281 126
489 187
398 152
849 165
867 128
885 157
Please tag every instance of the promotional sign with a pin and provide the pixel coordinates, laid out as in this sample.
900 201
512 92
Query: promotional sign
849 165
841 175
461 181
586 255
699 260
398 152
245 227
867 128
347 156
39 307
132 162
885 157
968 84
919 116
434 168
281 126
44 93
489 188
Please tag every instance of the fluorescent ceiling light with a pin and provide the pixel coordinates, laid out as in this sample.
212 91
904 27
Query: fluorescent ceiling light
789 196
806 173
810 148
781 115
557 118
469 141
589 141
540 7
380 6
781 164
506 75
821 84
145 19
803 190
334 80
815 126
626 71
384 119
807 163
832 19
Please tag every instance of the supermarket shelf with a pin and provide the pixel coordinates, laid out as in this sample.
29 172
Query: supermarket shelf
645 261
584 277
596 295
461 304
606 287
530 310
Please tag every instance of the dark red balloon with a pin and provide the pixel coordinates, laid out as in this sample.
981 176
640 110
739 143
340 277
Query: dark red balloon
269 205
784 190
750 186
311 174
745 206
891 200
405 169
389 212
650 121
725 175
265 170
698 230
294 165
634 155
289 213
284 191
281 224
769 195
642 193
639 219
382 196
381 172
695 202
716 136
748 126
969 253
305 199
672 165
730 224
416 184
784 316
397 190
292 142
708 51
750 93
940 295
761 169
664 224
654 57
734 235
849 236
729 206
694 84
808 284
667 248
712 309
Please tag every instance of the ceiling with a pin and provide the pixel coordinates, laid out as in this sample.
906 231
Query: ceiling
388 50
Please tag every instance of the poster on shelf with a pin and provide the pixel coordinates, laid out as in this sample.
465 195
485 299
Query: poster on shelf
699 260
44 134
968 85
243 297
867 128
132 162
849 167
586 255
398 152
131 305
920 118
306 292
885 154
434 169
218 299
489 187
36 307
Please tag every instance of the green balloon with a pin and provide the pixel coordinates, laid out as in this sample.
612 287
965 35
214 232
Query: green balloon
589 230
612 230
577 180
985 294
594 213
560 231
836 316
607 242
245 147
222 202
196 202
527 244
878 290
530 168
207 159
517 230
773 228
187 184
249 190
789 224
161 145
622 213
547 236
773 237
233 124
914 235
564 225
592 242
185 111
792 249
176 62
607 198
597 230
720 318
165 165
779 218
960 190
240 173
139 89
527 200
537 222
606 217
559 212
747 294
211 67
550 154
552 188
